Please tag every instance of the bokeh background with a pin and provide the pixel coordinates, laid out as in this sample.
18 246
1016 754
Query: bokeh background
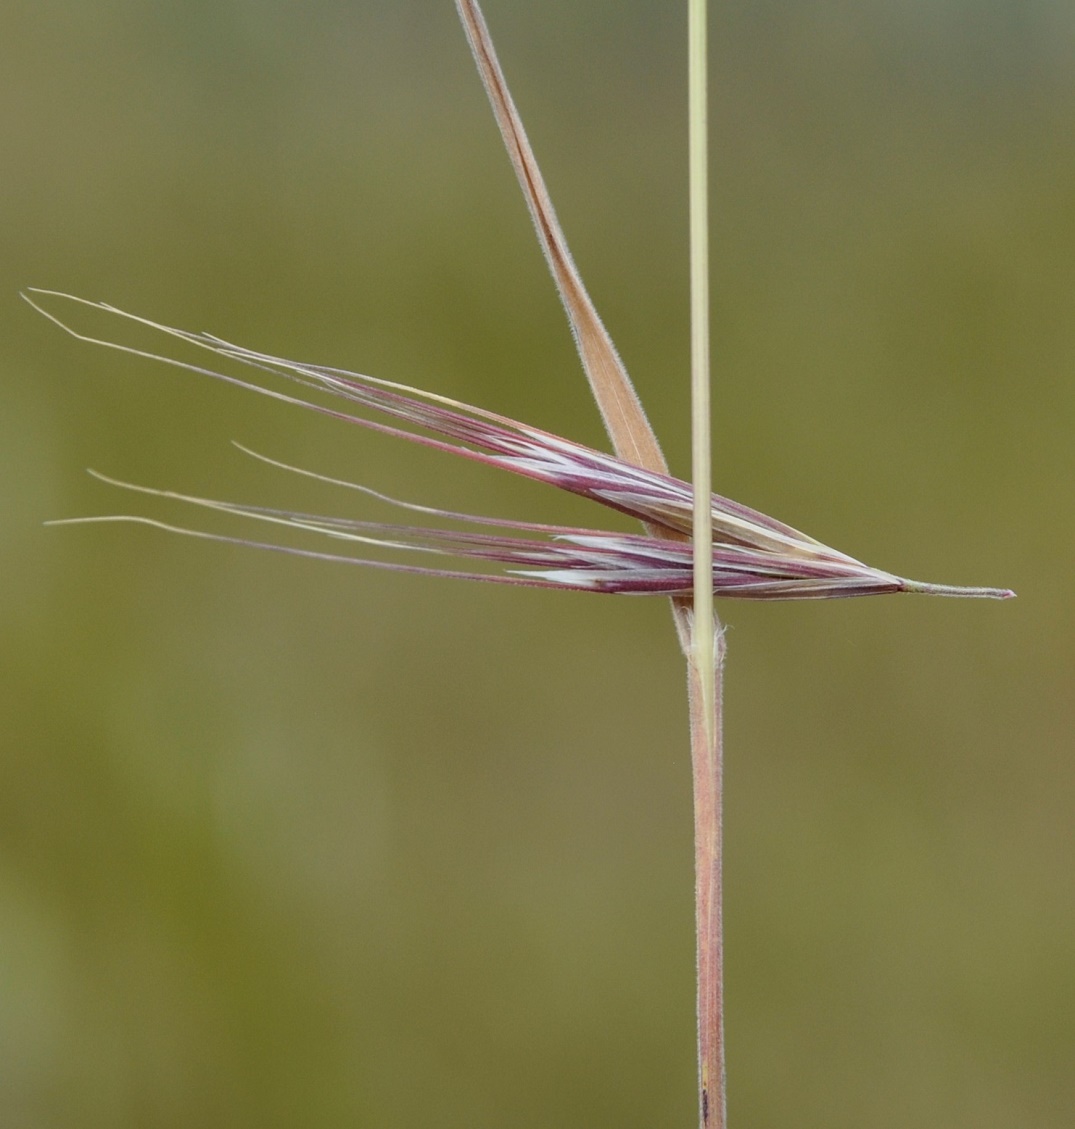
294 844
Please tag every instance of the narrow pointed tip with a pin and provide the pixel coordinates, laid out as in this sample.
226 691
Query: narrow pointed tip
957 591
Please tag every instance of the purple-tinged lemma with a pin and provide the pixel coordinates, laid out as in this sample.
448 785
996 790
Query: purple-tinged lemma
754 556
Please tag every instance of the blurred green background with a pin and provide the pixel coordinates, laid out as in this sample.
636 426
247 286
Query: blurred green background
294 844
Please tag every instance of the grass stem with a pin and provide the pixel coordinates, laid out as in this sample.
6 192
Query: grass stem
706 653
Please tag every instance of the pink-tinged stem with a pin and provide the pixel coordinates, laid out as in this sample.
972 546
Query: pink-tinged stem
708 771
